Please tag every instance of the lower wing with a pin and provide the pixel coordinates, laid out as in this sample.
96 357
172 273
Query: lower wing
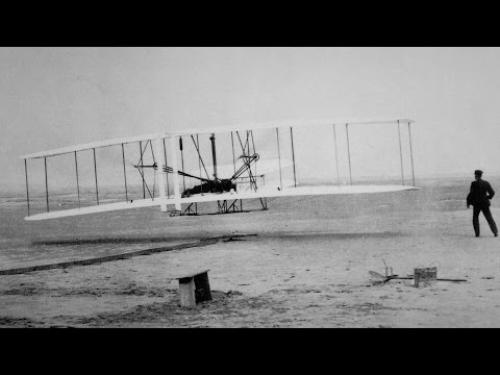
211 197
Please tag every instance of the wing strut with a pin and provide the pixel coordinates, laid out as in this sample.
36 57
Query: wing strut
182 163
253 146
124 173
336 152
279 156
293 157
400 154
246 159
232 147
165 156
214 155
27 189
244 147
140 168
46 184
411 155
152 152
159 172
175 177
95 174
199 163
348 152
77 182
141 172
154 163
200 160
247 143
142 176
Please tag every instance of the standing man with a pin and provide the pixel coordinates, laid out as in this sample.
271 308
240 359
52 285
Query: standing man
479 197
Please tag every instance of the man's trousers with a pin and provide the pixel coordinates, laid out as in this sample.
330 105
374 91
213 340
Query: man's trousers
487 214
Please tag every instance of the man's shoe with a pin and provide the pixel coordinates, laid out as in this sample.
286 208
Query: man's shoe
496 234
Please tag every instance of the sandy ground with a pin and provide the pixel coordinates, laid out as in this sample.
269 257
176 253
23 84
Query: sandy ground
307 266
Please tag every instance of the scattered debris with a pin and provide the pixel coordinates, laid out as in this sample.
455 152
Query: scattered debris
233 293
440 279
381 279
388 270
174 213
424 276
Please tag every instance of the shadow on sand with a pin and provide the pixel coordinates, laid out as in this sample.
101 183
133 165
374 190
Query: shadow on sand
153 239
104 240
136 240
332 235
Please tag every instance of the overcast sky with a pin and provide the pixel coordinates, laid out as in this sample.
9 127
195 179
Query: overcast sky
54 97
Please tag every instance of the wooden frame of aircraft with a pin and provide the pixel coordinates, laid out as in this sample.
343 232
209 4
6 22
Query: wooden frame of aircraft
165 149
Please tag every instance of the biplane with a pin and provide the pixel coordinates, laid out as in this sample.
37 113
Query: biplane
178 170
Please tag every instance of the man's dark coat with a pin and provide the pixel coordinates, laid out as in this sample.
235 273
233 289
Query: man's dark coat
480 193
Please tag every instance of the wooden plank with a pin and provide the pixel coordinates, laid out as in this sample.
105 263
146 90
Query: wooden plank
194 288
191 274
202 287
186 292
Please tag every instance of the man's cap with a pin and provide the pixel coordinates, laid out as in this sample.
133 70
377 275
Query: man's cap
478 172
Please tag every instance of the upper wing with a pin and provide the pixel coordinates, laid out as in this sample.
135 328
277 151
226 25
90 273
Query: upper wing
91 145
296 123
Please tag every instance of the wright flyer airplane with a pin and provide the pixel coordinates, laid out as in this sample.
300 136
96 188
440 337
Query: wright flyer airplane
177 171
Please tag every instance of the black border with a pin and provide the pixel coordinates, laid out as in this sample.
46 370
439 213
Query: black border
384 350
248 24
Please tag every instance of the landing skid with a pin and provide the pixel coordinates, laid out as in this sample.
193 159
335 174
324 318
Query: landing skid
191 210
223 207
